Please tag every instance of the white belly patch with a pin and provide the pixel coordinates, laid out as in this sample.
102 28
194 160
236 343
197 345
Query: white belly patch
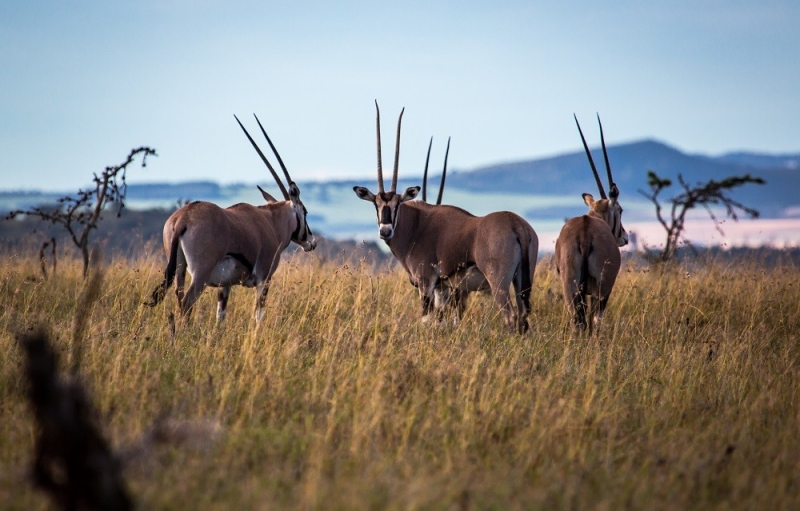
230 272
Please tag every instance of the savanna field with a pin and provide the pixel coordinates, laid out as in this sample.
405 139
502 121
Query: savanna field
342 399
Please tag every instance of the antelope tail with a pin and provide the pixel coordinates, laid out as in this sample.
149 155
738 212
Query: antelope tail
526 268
585 249
169 274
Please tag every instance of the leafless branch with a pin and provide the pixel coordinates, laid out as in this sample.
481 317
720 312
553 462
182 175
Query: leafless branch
81 213
711 193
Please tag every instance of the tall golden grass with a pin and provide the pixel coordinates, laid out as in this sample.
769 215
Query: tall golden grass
341 399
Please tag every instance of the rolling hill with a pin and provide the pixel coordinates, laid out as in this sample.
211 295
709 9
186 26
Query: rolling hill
570 174
544 190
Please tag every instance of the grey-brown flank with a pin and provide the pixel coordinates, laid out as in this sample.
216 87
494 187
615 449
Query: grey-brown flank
451 294
239 245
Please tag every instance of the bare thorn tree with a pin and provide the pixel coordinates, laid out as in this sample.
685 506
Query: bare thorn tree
80 214
711 193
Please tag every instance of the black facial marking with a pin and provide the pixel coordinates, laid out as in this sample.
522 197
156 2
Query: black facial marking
386 215
300 225
613 223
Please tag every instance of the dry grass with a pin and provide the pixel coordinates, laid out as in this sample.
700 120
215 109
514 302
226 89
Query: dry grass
342 399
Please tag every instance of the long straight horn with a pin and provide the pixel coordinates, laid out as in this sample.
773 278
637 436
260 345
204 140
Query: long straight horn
264 159
278 156
425 174
591 161
444 174
605 154
397 152
380 160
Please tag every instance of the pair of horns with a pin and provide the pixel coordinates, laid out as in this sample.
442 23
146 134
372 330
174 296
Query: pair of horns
264 158
444 173
611 184
396 150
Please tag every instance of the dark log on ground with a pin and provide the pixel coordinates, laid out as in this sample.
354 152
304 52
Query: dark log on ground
73 462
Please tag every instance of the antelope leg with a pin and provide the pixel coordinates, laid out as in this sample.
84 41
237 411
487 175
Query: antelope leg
222 302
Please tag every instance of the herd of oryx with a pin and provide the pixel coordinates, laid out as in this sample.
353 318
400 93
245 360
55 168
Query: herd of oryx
446 251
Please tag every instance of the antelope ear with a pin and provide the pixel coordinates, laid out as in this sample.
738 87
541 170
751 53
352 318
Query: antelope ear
410 193
364 194
267 197
614 192
588 199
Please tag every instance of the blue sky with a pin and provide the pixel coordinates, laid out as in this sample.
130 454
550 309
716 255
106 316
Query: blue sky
83 82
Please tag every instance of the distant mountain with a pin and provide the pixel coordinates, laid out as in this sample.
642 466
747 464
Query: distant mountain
544 190
571 174
761 161
207 190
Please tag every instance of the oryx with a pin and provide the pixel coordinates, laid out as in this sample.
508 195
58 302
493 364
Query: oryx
587 249
436 243
239 245
452 292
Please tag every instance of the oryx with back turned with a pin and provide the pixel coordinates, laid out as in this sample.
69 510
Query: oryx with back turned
587 249
452 293
239 245
435 243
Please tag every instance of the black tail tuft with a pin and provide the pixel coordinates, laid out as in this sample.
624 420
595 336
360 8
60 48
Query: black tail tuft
169 274
525 281
579 300
527 278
